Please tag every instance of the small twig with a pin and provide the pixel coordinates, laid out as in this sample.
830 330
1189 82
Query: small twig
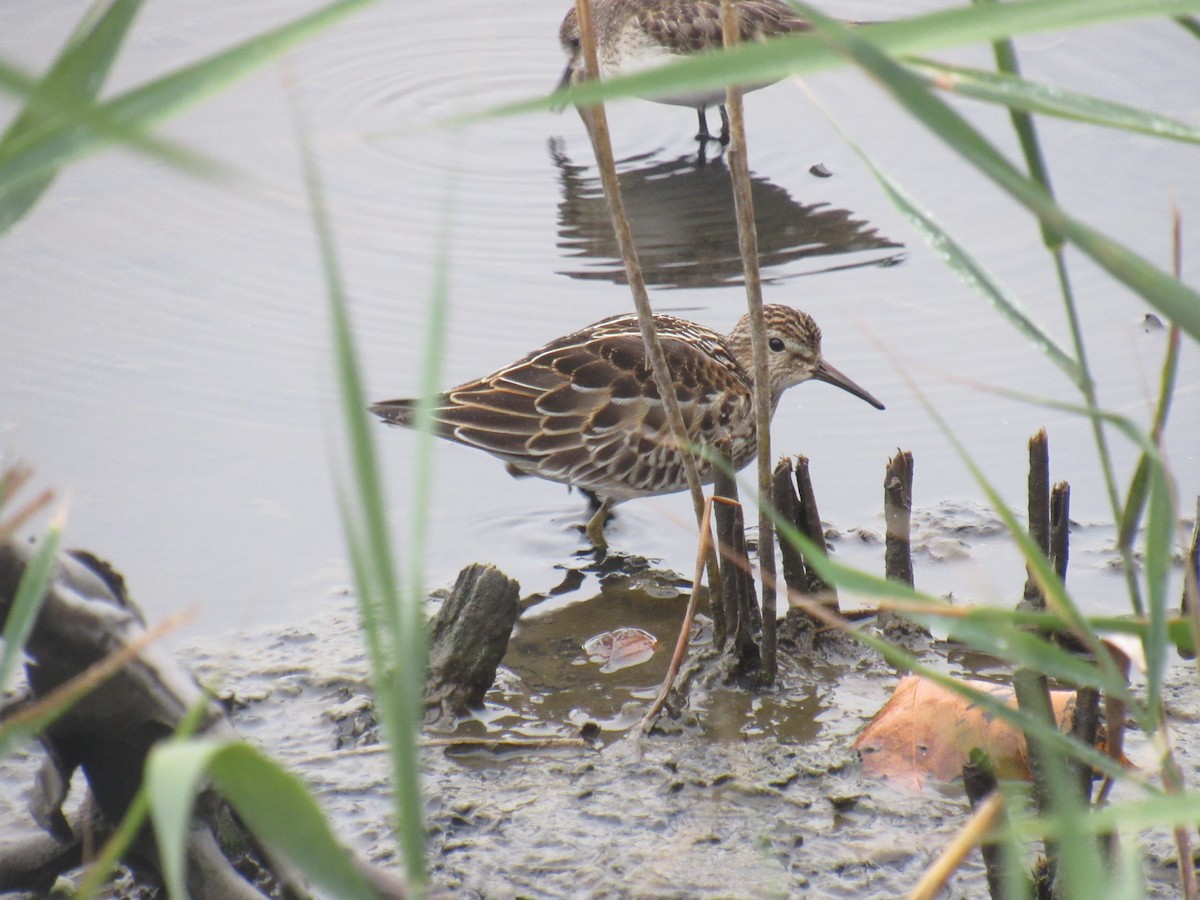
1172 778
1172 775
509 743
968 838
702 554
724 485
12 479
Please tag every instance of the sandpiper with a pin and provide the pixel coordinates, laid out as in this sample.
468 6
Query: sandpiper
584 410
632 35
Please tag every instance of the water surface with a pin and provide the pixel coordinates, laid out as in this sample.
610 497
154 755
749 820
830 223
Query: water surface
165 357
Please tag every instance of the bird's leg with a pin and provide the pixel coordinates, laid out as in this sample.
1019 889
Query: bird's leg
724 126
702 135
595 526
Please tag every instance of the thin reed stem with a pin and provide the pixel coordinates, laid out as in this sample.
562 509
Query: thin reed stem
596 121
743 202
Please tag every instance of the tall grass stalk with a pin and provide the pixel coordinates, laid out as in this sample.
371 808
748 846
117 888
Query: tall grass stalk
393 620
743 204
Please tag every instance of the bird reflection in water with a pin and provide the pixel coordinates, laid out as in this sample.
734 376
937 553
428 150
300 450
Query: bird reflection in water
685 228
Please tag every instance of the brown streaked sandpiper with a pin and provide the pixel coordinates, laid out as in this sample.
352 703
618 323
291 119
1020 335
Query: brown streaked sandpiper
632 35
584 410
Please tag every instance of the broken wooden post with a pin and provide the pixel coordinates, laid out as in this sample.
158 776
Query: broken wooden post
897 517
743 619
468 639
897 554
1086 720
797 504
1039 515
787 504
1060 528
85 618
979 782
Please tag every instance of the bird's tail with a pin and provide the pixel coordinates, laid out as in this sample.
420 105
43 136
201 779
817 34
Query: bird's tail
395 412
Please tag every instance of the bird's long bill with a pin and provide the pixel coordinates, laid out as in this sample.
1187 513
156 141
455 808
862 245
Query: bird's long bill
827 373
563 84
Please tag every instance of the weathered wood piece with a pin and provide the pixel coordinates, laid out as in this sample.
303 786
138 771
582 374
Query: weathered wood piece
796 502
897 516
1085 725
86 617
743 619
897 554
1039 514
979 782
787 504
1060 528
468 639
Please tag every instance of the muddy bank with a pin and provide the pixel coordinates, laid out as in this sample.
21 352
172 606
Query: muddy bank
742 794
753 795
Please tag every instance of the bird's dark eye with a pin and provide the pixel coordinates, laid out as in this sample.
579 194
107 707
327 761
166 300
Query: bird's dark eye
776 344
573 43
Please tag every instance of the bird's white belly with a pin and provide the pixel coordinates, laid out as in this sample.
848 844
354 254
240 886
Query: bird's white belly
636 53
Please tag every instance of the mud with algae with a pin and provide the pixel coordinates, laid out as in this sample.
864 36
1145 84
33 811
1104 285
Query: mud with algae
742 794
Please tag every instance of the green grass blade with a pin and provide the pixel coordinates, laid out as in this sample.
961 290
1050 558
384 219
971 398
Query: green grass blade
80 70
394 622
1159 811
1178 302
173 773
992 631
972 272
1135 501
411 662
272 802
1160 541
1057 599
131 825
1006 61
83 65
147 105
23 612
996 706
22 159
1190 25
1051 100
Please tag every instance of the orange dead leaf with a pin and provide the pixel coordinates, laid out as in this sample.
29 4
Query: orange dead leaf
926 730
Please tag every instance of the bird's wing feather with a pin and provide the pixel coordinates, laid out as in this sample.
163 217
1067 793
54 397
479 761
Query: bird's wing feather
689 26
